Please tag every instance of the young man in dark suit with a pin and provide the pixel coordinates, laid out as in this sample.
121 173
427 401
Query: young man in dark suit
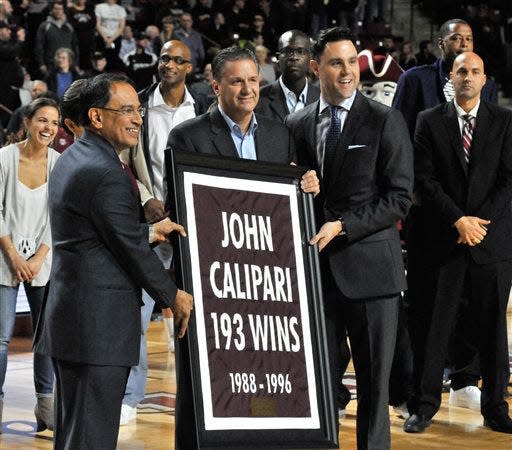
90 323
292 91
363 152
463 172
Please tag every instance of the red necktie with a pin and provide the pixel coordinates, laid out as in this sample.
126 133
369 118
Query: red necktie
132 178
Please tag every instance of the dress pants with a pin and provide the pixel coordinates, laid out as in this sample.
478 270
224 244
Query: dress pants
87 405
136 385
472 298
371 326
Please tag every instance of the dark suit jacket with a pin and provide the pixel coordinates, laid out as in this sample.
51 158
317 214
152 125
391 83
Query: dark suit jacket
209 134
101 259
421 88
370 189
448 189
272 101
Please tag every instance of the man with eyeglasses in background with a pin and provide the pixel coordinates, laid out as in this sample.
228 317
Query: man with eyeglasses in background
167 104
292 91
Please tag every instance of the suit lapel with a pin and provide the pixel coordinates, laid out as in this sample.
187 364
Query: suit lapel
350 127
481 134
452 128
264 143
277 101
221 136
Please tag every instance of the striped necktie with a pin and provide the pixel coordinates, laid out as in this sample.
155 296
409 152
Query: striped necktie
467 135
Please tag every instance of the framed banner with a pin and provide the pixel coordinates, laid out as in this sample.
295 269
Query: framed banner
257 341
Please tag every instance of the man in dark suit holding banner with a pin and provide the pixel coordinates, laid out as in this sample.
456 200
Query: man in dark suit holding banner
363 152
231 129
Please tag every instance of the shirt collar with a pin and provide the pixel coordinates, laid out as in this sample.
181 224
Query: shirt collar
461 112
158 100
345 104
233 126
302 96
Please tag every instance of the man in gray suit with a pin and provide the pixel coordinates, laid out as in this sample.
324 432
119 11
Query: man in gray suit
292 91
90 323
363 152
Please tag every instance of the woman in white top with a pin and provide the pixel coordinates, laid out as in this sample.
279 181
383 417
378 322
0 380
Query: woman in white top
110 21
25 238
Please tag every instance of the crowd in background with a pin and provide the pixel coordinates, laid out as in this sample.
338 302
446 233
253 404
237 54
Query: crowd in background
60 42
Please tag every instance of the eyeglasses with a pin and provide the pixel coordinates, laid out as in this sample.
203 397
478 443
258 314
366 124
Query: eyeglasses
128 111
166 59
299 51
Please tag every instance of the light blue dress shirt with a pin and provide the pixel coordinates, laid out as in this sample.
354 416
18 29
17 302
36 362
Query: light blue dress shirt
245 143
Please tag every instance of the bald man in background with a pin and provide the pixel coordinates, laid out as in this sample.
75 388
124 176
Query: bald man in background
463 177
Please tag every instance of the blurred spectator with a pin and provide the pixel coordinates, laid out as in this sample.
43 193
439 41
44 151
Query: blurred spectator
31 89
11 74
167 33
141 63
99 64
218 32
344 12
387 47
407 58
15 128
376 11
259 26
110 22
6 11
56 32
36 12
426 54
127 42
202 14
81 15
63 73
239 18
204 86
318 17
192 39
267 72
154 41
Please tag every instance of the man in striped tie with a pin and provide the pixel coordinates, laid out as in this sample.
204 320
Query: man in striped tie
463 174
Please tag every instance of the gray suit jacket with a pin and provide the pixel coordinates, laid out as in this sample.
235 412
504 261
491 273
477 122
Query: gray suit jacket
369 187
101 260
272 101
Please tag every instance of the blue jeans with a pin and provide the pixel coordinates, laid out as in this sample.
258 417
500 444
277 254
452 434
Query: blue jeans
136 385
43 370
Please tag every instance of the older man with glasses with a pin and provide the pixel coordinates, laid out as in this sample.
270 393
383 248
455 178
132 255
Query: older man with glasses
167 104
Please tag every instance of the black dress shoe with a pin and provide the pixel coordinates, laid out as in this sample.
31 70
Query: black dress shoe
416 424
501 424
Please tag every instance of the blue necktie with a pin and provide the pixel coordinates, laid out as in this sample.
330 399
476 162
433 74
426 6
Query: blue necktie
331 139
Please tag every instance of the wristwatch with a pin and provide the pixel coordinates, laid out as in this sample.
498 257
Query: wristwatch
343 232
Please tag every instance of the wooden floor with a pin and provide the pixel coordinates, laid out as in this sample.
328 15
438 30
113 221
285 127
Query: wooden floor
452 428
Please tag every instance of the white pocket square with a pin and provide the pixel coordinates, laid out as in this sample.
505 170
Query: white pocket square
355 147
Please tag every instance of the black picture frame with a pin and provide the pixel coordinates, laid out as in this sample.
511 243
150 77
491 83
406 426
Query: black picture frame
319 430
